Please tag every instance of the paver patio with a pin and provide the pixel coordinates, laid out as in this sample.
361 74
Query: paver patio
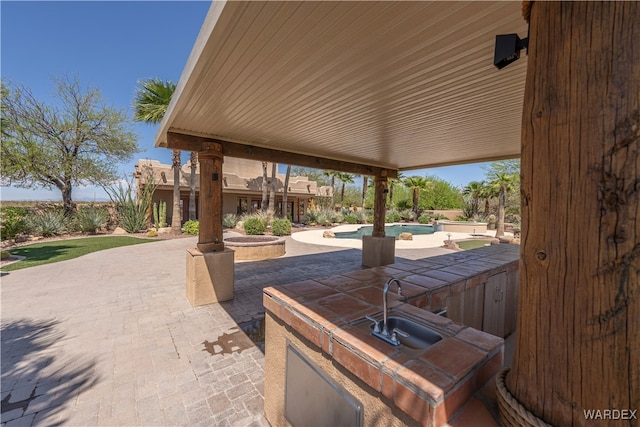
110 339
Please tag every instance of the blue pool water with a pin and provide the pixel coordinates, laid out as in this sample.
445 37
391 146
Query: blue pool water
389 230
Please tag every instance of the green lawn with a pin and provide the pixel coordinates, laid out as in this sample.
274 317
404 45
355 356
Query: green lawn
472 244
60 250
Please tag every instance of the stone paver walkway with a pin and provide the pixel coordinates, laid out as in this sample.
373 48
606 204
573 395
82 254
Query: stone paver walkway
110 339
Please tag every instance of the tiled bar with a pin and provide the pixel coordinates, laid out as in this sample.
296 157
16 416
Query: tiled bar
324 320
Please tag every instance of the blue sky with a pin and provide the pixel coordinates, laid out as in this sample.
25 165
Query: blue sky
112 45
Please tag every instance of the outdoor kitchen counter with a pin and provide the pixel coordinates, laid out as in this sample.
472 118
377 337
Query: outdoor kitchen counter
326 317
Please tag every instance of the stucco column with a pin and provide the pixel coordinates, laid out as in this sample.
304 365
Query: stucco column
210 235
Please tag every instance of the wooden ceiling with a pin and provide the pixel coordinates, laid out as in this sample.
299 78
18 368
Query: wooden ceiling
394 85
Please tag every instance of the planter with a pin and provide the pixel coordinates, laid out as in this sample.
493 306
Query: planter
254 248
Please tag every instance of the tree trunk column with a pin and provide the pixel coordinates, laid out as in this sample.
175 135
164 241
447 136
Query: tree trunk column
379 205
210 235
578 346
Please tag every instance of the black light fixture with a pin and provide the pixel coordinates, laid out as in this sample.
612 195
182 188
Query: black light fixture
508 47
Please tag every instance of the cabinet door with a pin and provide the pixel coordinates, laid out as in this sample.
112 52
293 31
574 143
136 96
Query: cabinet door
494 305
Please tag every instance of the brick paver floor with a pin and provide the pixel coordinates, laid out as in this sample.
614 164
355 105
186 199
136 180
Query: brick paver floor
110 339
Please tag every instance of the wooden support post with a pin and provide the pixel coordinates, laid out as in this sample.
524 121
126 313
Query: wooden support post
379 205
578 333
210 235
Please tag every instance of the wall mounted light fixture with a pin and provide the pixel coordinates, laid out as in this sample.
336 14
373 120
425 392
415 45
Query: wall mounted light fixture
507 50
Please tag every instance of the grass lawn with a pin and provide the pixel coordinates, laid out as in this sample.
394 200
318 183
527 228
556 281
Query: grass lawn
60 250
472 244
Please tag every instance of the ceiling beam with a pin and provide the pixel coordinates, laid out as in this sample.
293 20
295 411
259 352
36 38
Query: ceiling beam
181 141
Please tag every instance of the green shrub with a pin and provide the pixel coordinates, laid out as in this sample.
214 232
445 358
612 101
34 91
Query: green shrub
361 216
254 225
461 218
90 218
133 209
392 216
229 220
4 255
152 233
407 215
350 219
281 227
13 220
424 219
48 223
311 217
404 204
192 227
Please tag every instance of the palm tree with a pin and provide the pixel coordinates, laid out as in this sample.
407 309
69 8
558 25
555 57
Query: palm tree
392 184
486 193
345 178
365 183
332 175
192 185
263 206
473 190
272 189
285 192
415 184
504 183
150 105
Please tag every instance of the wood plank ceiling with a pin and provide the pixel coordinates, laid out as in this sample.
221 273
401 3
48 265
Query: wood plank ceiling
397 85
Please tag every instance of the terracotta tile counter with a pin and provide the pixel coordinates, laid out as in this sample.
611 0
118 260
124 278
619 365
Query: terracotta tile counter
324 320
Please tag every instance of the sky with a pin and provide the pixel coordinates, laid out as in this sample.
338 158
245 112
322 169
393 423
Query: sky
111 45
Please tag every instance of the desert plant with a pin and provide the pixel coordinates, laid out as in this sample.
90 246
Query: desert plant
311 217
361 216
281 227
407 215
392 215
152 233
403 204
461 218
160 214
350 219
90 218
132 210
425 217
4 255
192 227
254 225
49 222
229 220
13 220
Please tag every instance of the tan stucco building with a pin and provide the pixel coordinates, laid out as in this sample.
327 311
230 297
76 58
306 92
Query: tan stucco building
242 187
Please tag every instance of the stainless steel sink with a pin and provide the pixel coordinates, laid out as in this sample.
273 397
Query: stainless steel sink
419 337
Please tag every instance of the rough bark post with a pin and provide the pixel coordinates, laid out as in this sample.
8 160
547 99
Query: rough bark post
578 338
379 205
210 235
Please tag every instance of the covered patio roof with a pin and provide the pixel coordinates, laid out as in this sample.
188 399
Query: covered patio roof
392 85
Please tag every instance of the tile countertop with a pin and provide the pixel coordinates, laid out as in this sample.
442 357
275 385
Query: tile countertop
430 386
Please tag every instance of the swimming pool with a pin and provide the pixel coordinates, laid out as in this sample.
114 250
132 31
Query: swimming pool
389 230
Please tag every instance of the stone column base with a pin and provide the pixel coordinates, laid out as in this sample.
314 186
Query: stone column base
209 276
377 251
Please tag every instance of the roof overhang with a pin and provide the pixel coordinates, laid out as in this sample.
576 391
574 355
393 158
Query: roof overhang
384 85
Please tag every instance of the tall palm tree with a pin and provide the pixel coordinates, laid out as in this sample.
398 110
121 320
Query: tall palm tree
192 185
504 183
263 206
473 190
150 105
285 192
392 184
415 184
272 189
487 193
345 178
332 175
365 183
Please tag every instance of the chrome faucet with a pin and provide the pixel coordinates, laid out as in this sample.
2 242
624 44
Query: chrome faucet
385 291
391 338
